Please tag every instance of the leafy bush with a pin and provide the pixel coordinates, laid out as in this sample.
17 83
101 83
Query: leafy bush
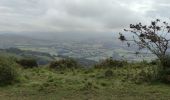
28 63
166 62
90 86
8 73
139 73
165 76
110 63
108 73
154 62
64 63
165 70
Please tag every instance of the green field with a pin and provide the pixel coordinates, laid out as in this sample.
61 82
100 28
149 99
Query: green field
86 84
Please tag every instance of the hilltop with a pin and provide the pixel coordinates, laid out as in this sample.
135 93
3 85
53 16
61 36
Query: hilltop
67 80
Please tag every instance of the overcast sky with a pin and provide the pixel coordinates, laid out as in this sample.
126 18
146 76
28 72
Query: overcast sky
78 15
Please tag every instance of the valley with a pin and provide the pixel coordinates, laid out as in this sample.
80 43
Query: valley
91 49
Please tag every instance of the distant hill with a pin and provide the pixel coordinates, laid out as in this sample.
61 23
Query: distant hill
42 58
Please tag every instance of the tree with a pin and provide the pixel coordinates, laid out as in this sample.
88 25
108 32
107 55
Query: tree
154 37
27 63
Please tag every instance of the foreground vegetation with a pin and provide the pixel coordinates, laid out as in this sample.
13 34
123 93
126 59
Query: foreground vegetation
128 81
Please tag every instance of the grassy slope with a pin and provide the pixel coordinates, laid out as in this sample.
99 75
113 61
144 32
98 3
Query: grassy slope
45 84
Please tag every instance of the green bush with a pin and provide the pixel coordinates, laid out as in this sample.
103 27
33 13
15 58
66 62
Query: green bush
108 73
64 63
154 62
110 63
166 62
165 76
89 86
28 63
8 73
139 73
165 71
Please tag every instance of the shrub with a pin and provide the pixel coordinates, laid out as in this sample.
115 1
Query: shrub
28 63
64 63
109 73
165 76
8 73
110 63
165 73
141 74
154 62
103 84
166 62
90 86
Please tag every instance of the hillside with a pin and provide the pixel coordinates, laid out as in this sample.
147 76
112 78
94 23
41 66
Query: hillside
42 58
83 78
127 83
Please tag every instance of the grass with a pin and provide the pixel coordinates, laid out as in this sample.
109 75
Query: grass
84 84
132 81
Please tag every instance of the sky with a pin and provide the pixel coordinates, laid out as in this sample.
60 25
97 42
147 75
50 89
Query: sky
78 15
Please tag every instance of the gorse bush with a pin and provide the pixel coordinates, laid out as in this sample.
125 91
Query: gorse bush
141 73
154 62
165 70
136 72
28 63
166 62
108 73
165 76
8 73
110 63
64 63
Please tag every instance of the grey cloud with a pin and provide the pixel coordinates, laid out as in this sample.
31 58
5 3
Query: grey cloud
161 9
77 15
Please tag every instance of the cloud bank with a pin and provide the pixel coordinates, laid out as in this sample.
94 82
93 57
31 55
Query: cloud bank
78 15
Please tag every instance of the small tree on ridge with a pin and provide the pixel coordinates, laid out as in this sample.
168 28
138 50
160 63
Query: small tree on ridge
154 37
